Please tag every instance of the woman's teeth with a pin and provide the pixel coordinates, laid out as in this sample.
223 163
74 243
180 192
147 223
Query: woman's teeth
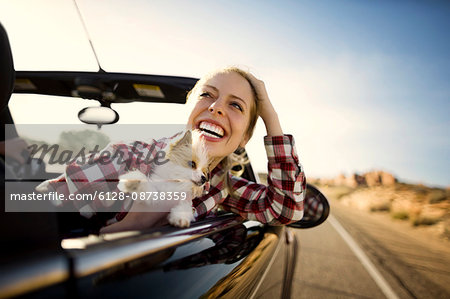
211 130
210 135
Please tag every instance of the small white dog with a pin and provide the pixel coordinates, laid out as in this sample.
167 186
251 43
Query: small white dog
172 185
169 188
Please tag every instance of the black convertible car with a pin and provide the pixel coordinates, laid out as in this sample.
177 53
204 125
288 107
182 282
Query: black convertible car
48 254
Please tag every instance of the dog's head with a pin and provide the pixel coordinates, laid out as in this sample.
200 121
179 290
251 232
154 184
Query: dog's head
189 151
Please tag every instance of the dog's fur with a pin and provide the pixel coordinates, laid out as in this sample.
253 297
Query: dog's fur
176 175
185 173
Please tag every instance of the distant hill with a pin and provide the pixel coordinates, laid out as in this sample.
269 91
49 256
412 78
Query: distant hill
379 191
370 179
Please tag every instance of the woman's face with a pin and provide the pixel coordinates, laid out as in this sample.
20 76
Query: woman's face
222 112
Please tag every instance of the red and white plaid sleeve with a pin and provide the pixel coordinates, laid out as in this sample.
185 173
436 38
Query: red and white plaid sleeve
281 202
101 174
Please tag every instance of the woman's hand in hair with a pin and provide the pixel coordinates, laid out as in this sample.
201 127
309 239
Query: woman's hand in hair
267 111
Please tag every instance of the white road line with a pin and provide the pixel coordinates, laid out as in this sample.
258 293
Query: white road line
371 269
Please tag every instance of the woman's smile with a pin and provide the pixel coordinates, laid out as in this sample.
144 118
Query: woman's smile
210 129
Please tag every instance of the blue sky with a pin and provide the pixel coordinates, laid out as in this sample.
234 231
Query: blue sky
360 84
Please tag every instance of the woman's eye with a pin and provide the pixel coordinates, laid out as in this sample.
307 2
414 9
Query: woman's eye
205 94
237 106
192 164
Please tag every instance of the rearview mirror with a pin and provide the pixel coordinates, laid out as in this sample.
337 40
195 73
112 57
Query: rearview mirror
316 209
98 115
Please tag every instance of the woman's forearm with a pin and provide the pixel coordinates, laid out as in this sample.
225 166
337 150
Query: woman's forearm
267 111
272 123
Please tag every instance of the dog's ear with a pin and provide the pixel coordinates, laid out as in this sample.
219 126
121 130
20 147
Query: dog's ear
181 149
183 141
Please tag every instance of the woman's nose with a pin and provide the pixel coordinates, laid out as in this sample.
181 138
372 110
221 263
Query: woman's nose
216 107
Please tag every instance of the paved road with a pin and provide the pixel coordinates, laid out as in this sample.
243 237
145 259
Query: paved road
411 265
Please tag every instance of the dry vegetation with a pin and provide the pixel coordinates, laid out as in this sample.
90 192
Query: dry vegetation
418 204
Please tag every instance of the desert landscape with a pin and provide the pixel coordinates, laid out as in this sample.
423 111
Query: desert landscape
424 208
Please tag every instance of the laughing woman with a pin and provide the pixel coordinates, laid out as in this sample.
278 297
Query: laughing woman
226 105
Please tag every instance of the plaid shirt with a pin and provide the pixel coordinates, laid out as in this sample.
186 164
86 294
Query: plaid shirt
281 202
